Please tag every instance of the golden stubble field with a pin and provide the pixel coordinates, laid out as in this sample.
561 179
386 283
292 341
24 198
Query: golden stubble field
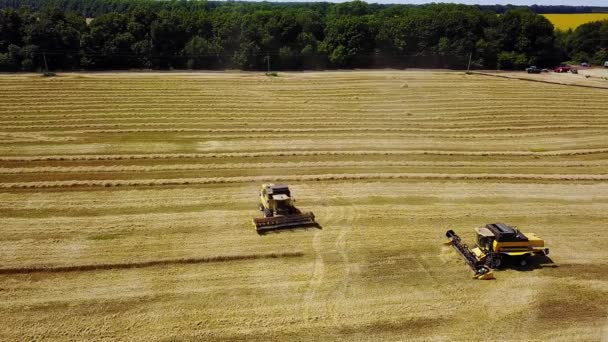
126 203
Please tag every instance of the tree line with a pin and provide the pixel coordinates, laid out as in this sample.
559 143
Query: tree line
588 43
121 34
93 8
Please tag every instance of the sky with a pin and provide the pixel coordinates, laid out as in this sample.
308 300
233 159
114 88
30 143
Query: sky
519 2
486 2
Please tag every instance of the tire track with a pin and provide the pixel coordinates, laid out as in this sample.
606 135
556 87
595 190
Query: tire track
316 278
351 214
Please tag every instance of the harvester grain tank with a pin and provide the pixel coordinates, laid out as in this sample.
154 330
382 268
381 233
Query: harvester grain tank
497 242
279 210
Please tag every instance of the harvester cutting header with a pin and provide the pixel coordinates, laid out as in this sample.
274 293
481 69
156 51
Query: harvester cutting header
496 244
279 210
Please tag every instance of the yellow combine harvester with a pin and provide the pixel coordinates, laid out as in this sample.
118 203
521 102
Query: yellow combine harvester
279 210
495 243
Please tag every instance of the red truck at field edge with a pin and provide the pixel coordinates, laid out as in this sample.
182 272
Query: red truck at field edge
563 68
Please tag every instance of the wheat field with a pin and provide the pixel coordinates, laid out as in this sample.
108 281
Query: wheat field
573 20
126 203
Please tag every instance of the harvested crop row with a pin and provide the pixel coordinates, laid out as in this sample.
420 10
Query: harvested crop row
305 99
505 104
288 165
297 178
177 121
300 153
147 263
354 111
68 128
9 138
395 116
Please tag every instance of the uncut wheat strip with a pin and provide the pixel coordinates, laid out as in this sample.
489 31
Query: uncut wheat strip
289 165
319 177
298 153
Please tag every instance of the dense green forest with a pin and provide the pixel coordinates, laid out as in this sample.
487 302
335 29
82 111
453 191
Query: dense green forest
94 8
123 34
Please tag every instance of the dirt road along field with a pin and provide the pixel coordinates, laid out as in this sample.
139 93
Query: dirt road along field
126 203
594 77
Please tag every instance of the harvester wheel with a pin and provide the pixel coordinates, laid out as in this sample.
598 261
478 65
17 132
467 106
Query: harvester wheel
267 213
495 261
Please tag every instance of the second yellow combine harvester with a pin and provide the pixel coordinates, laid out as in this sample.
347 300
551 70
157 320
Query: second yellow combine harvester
495 243
279 210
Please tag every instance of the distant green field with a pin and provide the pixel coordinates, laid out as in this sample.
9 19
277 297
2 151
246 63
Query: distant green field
574 20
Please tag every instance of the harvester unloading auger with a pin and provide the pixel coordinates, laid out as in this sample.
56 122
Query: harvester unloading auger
497 242
279 210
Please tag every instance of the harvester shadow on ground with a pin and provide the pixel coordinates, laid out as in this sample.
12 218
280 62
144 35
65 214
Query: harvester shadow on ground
290 229
534 263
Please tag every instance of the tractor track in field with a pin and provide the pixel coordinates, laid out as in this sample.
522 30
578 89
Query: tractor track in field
316 278
350 214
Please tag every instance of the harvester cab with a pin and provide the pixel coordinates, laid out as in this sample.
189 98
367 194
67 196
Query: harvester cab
275 200
495 243
279 210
